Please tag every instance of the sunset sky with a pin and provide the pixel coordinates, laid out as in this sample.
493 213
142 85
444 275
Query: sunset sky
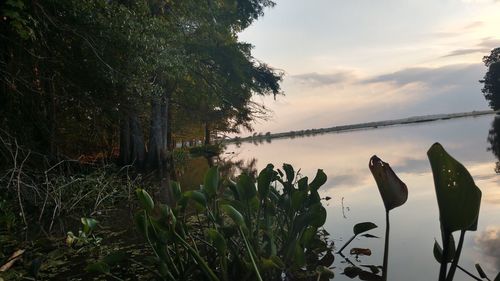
363 60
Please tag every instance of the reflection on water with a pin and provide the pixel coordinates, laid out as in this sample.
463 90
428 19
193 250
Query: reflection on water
488 242
494 140
344 157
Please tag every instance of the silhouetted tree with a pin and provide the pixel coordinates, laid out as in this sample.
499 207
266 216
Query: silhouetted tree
491 81
494 141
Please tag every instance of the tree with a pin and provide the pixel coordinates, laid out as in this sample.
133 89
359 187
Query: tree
491 81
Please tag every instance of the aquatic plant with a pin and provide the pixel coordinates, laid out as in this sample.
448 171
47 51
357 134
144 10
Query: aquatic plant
252 230
459 200
394 194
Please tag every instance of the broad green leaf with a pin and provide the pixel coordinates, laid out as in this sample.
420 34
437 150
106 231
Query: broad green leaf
480 271
176 190
290 173
198 197
218 241
317 215
272 262
246 187
308 235
438 251
393 190
89 224
325 271
318 180
264 181
236 216
458 196
142 222
302 184
327 259
211 182
363 227
298 198
145 199
299 255
352 271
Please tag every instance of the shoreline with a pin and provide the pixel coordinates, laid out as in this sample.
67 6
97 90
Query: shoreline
359 126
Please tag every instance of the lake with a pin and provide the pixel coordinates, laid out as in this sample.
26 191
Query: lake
414 226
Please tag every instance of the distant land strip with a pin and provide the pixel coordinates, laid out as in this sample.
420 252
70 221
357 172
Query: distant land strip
346 128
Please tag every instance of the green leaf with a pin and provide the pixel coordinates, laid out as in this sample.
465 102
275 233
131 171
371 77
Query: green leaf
325 272
89 224
498 277
480 271
145 199
318 180
299 257
236 216
458 196
298 198
317 215
363 227
218 241
264 181
393 190
438 251
211 182
176 190
308 235
197 197
246 187
302 184
290 173
142 222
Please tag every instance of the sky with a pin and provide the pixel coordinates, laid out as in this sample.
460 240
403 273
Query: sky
362 60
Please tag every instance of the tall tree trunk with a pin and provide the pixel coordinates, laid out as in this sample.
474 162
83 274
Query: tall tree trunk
125 137
159 157
155 137
138 151
207 133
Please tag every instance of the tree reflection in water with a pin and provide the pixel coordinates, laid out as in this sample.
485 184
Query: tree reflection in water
494 141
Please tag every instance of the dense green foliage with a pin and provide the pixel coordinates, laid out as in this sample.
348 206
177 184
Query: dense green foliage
74 72
242 229
491 80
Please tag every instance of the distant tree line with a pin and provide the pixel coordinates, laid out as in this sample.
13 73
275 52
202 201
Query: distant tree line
84 77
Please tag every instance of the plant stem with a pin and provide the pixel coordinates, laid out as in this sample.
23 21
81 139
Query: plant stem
386 246
251 255
444 262
346 243
454 264
470 274
198 258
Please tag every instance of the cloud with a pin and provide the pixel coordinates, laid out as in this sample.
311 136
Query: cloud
489 243
318 79
461 52
489 42
445 76
474 25
351 180
483 47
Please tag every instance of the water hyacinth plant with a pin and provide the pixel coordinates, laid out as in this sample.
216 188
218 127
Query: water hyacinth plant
252 230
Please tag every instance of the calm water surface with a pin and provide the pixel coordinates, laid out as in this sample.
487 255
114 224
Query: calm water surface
414 226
